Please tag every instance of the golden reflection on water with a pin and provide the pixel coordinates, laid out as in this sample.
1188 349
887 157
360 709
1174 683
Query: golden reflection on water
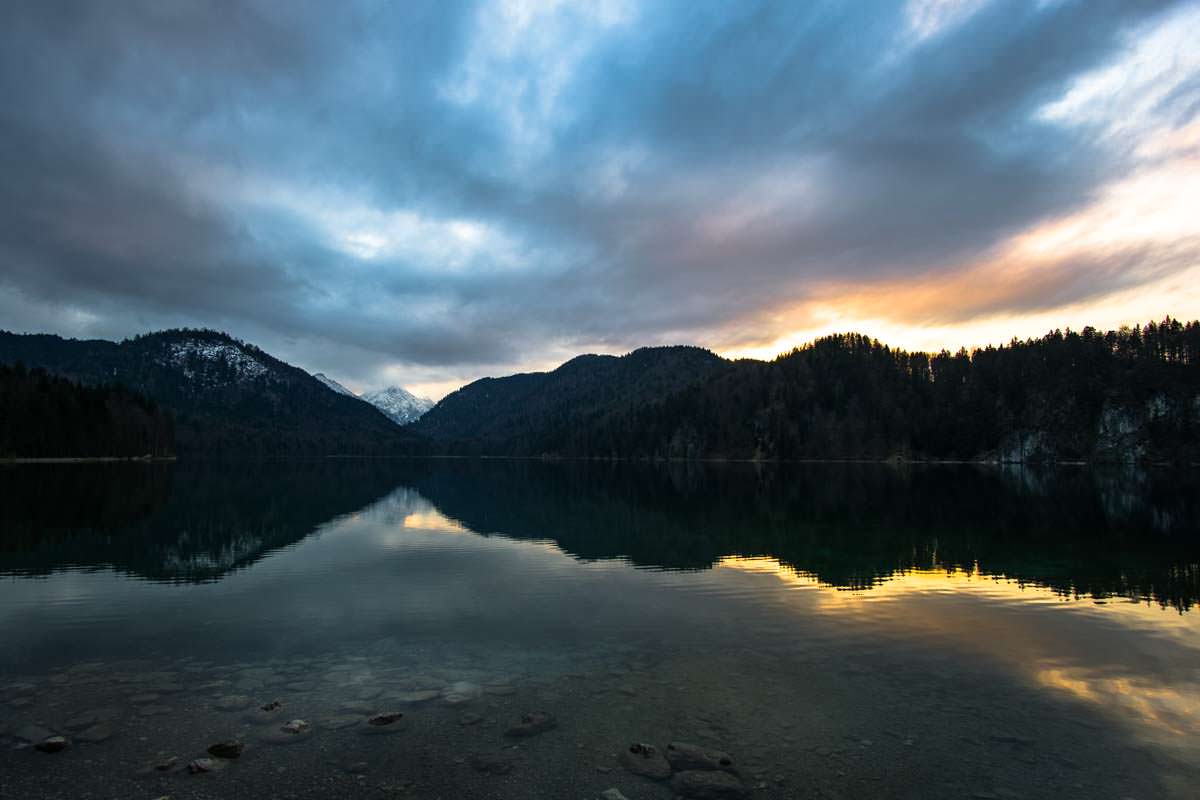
1122 656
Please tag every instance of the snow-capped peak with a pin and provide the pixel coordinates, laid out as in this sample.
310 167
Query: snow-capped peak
332 384
398 404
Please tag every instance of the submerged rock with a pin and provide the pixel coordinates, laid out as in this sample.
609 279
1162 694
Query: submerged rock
683 756
645 760
199 765
296 726
53 744
230 749
532 724
385 718
708 785
461 692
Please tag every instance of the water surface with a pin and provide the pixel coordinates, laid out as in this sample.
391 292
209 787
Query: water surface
839 630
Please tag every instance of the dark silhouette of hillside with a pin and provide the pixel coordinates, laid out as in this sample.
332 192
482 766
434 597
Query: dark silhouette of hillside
227 397
46 416
1126 395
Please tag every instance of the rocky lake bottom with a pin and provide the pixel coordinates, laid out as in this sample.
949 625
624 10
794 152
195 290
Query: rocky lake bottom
414 646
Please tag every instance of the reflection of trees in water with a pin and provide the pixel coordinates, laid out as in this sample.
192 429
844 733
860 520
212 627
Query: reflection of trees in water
189 522
1078 531
1123 531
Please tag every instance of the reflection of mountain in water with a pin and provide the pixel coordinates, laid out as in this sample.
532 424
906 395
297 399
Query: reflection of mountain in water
191 522
850 525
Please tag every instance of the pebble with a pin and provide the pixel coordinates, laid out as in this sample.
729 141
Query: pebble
202 765
52 744
460 692
385 718
613 794
296 726
229 749
645 760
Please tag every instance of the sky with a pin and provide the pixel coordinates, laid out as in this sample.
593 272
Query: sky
425 193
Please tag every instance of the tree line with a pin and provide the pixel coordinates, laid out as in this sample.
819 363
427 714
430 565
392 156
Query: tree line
47 416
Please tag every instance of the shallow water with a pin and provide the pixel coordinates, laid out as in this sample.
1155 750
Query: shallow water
838 630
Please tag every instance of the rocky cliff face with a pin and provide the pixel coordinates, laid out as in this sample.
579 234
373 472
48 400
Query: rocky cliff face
1160 428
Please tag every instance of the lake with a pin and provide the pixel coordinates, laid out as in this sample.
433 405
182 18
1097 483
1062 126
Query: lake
829 630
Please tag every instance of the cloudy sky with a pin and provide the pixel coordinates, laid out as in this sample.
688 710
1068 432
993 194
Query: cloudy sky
426 193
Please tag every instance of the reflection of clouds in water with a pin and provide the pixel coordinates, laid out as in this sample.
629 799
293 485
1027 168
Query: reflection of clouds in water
407 508
1121 656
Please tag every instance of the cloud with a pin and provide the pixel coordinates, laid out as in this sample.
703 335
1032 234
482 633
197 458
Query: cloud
436 191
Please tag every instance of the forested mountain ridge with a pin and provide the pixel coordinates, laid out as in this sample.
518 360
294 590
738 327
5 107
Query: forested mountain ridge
534 413
47 416
1124 395
227 396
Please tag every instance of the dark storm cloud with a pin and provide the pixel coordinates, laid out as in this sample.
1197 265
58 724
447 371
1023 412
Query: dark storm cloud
459 186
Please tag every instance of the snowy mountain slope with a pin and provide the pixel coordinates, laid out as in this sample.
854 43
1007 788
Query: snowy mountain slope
398 404
332 384
227 396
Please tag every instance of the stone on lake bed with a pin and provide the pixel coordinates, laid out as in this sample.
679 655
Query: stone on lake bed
708 785
229 749
683 756
199 765
645 760
385 718
460 692
613 794
143 698
296 726
52 744
274 705
531 724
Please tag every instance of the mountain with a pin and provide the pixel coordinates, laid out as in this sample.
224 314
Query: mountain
227 397
332 384
398 404
541 412
1127 395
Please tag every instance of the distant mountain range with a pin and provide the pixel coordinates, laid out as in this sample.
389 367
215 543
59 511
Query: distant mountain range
227 397
1128 395
397 403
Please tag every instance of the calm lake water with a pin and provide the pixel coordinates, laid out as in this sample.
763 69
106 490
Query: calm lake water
840 631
